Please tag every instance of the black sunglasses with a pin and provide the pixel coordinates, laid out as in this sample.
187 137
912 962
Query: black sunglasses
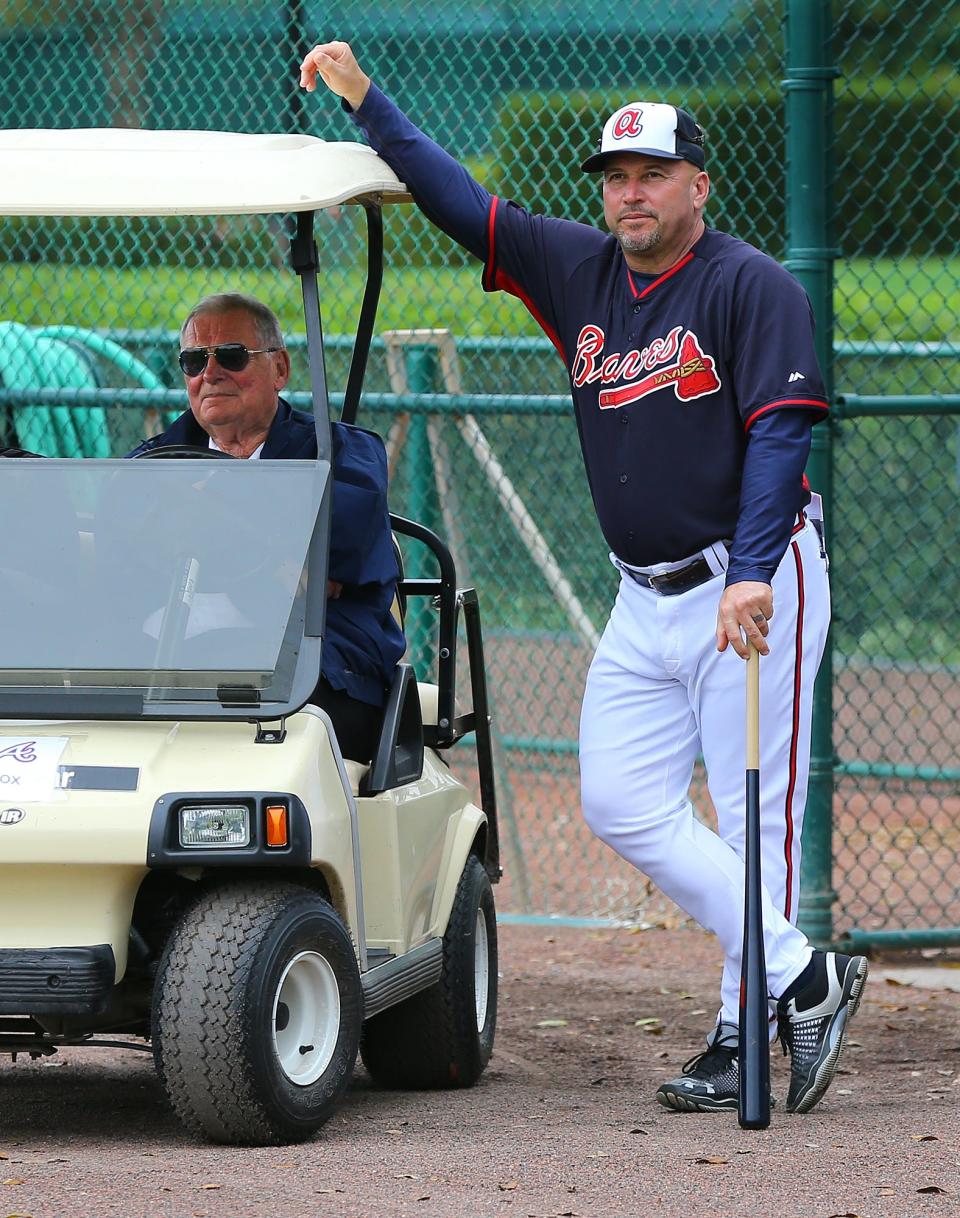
232 357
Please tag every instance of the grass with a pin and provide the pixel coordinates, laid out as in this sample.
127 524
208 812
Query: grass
906 299
159 296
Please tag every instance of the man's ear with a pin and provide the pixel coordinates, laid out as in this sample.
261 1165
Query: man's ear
281 368
701 190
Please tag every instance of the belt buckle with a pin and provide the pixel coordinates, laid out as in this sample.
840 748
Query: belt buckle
653 582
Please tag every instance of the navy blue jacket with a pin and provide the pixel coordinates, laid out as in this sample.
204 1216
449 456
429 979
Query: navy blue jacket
362 642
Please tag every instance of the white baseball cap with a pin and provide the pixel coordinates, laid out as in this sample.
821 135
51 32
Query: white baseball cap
651 128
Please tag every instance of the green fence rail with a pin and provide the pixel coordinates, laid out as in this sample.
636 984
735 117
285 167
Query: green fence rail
830 146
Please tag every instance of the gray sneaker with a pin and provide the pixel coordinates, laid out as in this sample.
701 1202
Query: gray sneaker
711 1080
813 1024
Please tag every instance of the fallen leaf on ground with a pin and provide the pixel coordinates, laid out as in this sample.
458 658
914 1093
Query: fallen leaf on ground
209 1186
13 1180
925 1137
552 1023
646 1023
508 1186
932 1188
711 1160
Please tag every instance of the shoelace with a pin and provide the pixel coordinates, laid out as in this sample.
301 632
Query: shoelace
705 1058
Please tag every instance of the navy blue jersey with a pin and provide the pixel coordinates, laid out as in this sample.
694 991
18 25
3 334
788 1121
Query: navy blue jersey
672 378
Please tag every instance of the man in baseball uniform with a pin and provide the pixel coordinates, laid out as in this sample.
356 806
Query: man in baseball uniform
695 387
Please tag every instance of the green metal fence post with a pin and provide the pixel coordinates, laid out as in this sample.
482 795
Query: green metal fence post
808 92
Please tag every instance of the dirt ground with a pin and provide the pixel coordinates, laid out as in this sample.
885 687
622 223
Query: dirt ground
562 1123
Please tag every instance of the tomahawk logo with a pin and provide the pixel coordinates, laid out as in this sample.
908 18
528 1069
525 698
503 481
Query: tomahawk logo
12 816
627 123
26 750
692 376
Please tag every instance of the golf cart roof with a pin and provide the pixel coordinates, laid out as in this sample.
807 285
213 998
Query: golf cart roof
126 172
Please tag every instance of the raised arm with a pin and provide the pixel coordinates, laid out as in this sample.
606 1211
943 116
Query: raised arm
443 189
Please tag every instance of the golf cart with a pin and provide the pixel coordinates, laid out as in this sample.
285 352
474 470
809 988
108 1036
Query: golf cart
187 862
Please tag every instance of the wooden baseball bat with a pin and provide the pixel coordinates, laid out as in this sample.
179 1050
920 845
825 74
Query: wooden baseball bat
753 1107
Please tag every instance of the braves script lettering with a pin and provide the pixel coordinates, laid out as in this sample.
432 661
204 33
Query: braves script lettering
25 751
588 367
692 374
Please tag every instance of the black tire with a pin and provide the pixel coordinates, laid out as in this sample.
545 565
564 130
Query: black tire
240 966
443 1036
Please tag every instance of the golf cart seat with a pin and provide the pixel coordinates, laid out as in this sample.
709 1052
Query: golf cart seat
363 778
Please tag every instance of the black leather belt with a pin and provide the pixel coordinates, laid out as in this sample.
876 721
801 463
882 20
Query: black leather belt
672 583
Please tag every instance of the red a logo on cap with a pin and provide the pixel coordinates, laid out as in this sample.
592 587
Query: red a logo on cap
628 123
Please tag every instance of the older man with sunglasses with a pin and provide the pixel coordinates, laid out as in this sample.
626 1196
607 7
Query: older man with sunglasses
235 366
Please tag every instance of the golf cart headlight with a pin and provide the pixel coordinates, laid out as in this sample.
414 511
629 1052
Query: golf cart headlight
224 825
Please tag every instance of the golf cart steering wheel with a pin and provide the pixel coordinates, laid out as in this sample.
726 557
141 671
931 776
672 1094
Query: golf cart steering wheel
194 451
257 560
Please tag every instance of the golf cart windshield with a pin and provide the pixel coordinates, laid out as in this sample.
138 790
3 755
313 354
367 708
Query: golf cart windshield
158 587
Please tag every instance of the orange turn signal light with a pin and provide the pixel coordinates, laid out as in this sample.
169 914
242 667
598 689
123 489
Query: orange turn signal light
277 825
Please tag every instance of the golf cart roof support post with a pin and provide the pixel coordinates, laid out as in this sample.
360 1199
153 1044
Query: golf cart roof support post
304 257
368 313
305 260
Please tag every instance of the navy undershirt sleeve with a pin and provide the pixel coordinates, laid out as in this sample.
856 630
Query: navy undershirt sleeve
443 190
771 493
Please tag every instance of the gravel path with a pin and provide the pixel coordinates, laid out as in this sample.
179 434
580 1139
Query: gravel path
563 1122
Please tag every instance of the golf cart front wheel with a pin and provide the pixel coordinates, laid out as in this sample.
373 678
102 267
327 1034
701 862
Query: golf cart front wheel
257 1013
443 1036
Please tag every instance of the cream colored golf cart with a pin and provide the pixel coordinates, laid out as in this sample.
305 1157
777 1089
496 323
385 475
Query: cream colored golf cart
185 857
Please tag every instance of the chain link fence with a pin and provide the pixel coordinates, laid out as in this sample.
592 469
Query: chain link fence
519 92
896 476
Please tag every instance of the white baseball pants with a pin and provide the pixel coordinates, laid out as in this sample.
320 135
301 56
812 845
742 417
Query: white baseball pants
658 693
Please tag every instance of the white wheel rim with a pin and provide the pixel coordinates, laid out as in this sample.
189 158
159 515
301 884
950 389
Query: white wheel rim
306 1018
481 969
